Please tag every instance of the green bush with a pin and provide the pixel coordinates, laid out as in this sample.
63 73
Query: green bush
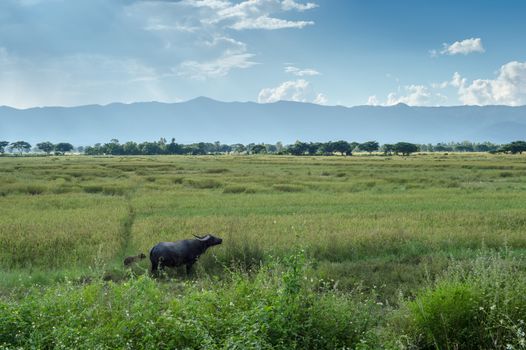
479 306
447 315
275 308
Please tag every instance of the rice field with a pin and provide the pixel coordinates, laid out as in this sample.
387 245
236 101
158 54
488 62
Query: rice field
384 225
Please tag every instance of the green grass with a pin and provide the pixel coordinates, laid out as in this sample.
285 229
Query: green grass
387 225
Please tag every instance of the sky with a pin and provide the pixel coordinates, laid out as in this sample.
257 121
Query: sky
332 52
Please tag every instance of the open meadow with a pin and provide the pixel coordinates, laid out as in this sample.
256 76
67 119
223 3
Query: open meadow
318 252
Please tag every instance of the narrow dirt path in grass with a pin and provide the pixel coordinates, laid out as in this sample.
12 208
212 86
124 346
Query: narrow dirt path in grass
127 225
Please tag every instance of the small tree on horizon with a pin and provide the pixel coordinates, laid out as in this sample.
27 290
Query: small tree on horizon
47 147
388 148
369 146
298 148
20 146
405 148
258 149
3 145
63 147
515 147
343 147
238 148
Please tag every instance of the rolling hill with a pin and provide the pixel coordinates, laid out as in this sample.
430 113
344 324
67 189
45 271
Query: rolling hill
204 119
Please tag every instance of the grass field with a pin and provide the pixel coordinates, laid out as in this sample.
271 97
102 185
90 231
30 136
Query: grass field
386 233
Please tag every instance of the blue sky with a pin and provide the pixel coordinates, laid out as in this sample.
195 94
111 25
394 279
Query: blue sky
345 52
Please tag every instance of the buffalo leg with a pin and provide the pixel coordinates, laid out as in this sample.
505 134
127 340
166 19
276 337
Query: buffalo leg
156 267
189 268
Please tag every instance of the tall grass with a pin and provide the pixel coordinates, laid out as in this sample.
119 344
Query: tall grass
276 308
384 226
388 221
480 305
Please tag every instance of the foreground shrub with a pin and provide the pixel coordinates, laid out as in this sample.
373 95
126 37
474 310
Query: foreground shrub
276 308
480 306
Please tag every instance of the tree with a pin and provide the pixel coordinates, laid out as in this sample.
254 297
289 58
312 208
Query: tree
130 148
3 145
298 148
174 148
113 147
20 146
149 148
258 149
515 147
327 148
342 147
405 148
441 147
271 148
63 147
464 146
369 146
313 148
238 148
47 147
249 147
388 148
225 149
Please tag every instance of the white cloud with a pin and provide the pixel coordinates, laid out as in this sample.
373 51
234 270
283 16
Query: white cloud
321 99
164 27
269 23
508 88
216 68
294 90
213 4
202 27
293 5
140 50
463 47
255 14
457 80
301 72
413 95
373 101
441 85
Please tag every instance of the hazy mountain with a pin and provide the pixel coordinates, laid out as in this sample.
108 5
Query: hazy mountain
203 119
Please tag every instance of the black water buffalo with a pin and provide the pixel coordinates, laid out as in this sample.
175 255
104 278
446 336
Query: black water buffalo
184 252
132 259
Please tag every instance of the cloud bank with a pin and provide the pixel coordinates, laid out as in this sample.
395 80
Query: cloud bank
55 52
463 47
507 88
295 90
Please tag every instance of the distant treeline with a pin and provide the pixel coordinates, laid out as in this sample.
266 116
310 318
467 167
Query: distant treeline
114 147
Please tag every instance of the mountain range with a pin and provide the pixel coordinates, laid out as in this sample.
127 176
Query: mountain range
207 120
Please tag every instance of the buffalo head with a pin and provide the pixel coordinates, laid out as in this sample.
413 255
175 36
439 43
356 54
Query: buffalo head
209 240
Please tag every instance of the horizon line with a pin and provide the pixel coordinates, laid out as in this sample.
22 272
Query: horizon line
400 104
